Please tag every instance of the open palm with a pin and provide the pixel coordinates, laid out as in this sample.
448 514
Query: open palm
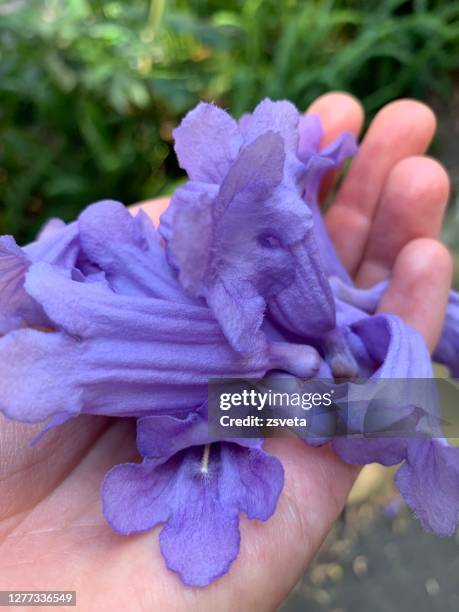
385 221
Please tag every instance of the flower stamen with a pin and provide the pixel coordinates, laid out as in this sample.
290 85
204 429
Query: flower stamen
205 459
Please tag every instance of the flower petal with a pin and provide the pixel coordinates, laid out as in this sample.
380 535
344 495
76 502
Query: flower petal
13 298
317 164
135 355
366 300
280 117
399 350
198 494
447 349
306 306
51 228
310 135
57 246
207 141
241 256
400 390
251 481
240 316
135 496
34 376
429 482
187 226
362 450
194 196
128 251
201 539
164 435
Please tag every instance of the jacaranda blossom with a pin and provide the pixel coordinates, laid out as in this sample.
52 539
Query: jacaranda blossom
257 247
196 487
136 354
107 316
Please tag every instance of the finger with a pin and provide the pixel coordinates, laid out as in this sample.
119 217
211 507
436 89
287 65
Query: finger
412 205
419 287
401 129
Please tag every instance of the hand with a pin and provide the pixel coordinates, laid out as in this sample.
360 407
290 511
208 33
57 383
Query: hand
385 221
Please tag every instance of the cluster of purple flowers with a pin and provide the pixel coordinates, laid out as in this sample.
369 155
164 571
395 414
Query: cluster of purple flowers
108 316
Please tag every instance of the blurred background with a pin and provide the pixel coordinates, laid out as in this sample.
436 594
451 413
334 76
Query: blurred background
90 91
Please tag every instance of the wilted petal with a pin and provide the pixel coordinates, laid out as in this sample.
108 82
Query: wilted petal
398 350
399 392
429 483
193 196
207 141
128 251
236 252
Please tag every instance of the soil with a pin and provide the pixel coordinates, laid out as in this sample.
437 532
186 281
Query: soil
379 559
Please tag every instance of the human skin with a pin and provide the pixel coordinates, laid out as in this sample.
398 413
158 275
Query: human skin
385 221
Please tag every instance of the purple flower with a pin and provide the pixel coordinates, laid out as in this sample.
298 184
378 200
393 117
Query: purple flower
136 353
197 488
241 257
57 244
428 478
447 349
257 246
429 483
354 303
98 317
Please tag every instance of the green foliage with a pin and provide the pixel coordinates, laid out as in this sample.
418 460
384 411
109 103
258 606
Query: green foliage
91 89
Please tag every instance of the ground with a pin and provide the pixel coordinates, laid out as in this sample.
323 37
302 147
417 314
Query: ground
379 559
